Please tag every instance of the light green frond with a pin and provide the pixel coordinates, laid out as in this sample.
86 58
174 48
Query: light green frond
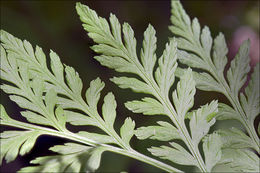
212 149
109 109
17 142
251 99
237 73
99 138
53 97
93 92
155 81
202 120
220 51
148 106
132 83
226 112
183 96
240 160
164 132
176 153
235 138
148 56
164 74
72 158
197 51
127 130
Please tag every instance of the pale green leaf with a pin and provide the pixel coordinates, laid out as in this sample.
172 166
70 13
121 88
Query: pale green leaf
61 117
201 55
17 142
48 95
28 48
158 84
176 153
67 103
132 83
79 119
184 44
220 51
101 139
241 160
183 96
164 74
206 40
56 66
109 109
130 41
69 148
179 16
117 63
93 92
11 89
127 130
50 101
95 158
226 112
73 80
148 106
109 52
25 103
38 87
235 138
191 60
36 118
148 56
251 99
73 158
3 115
202 120
237 73
164 132
95 25
212 149
206 82
196 28
40 56
24 72
115 27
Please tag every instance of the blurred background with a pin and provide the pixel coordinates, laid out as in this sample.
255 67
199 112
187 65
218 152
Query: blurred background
55 25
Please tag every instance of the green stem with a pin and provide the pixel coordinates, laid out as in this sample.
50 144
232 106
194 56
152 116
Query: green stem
71 136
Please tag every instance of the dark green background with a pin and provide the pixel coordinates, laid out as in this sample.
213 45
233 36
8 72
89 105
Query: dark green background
55 25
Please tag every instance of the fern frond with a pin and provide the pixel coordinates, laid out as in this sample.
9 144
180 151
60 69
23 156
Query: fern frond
235 153
117 50
197 49
72 158
52 99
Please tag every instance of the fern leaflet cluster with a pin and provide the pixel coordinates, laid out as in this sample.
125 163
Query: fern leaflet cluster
52 96
198 50
52 100
120 54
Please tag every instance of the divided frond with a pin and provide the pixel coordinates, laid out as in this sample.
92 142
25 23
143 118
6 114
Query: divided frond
120 55
198 50
72 157
53 97
15 142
